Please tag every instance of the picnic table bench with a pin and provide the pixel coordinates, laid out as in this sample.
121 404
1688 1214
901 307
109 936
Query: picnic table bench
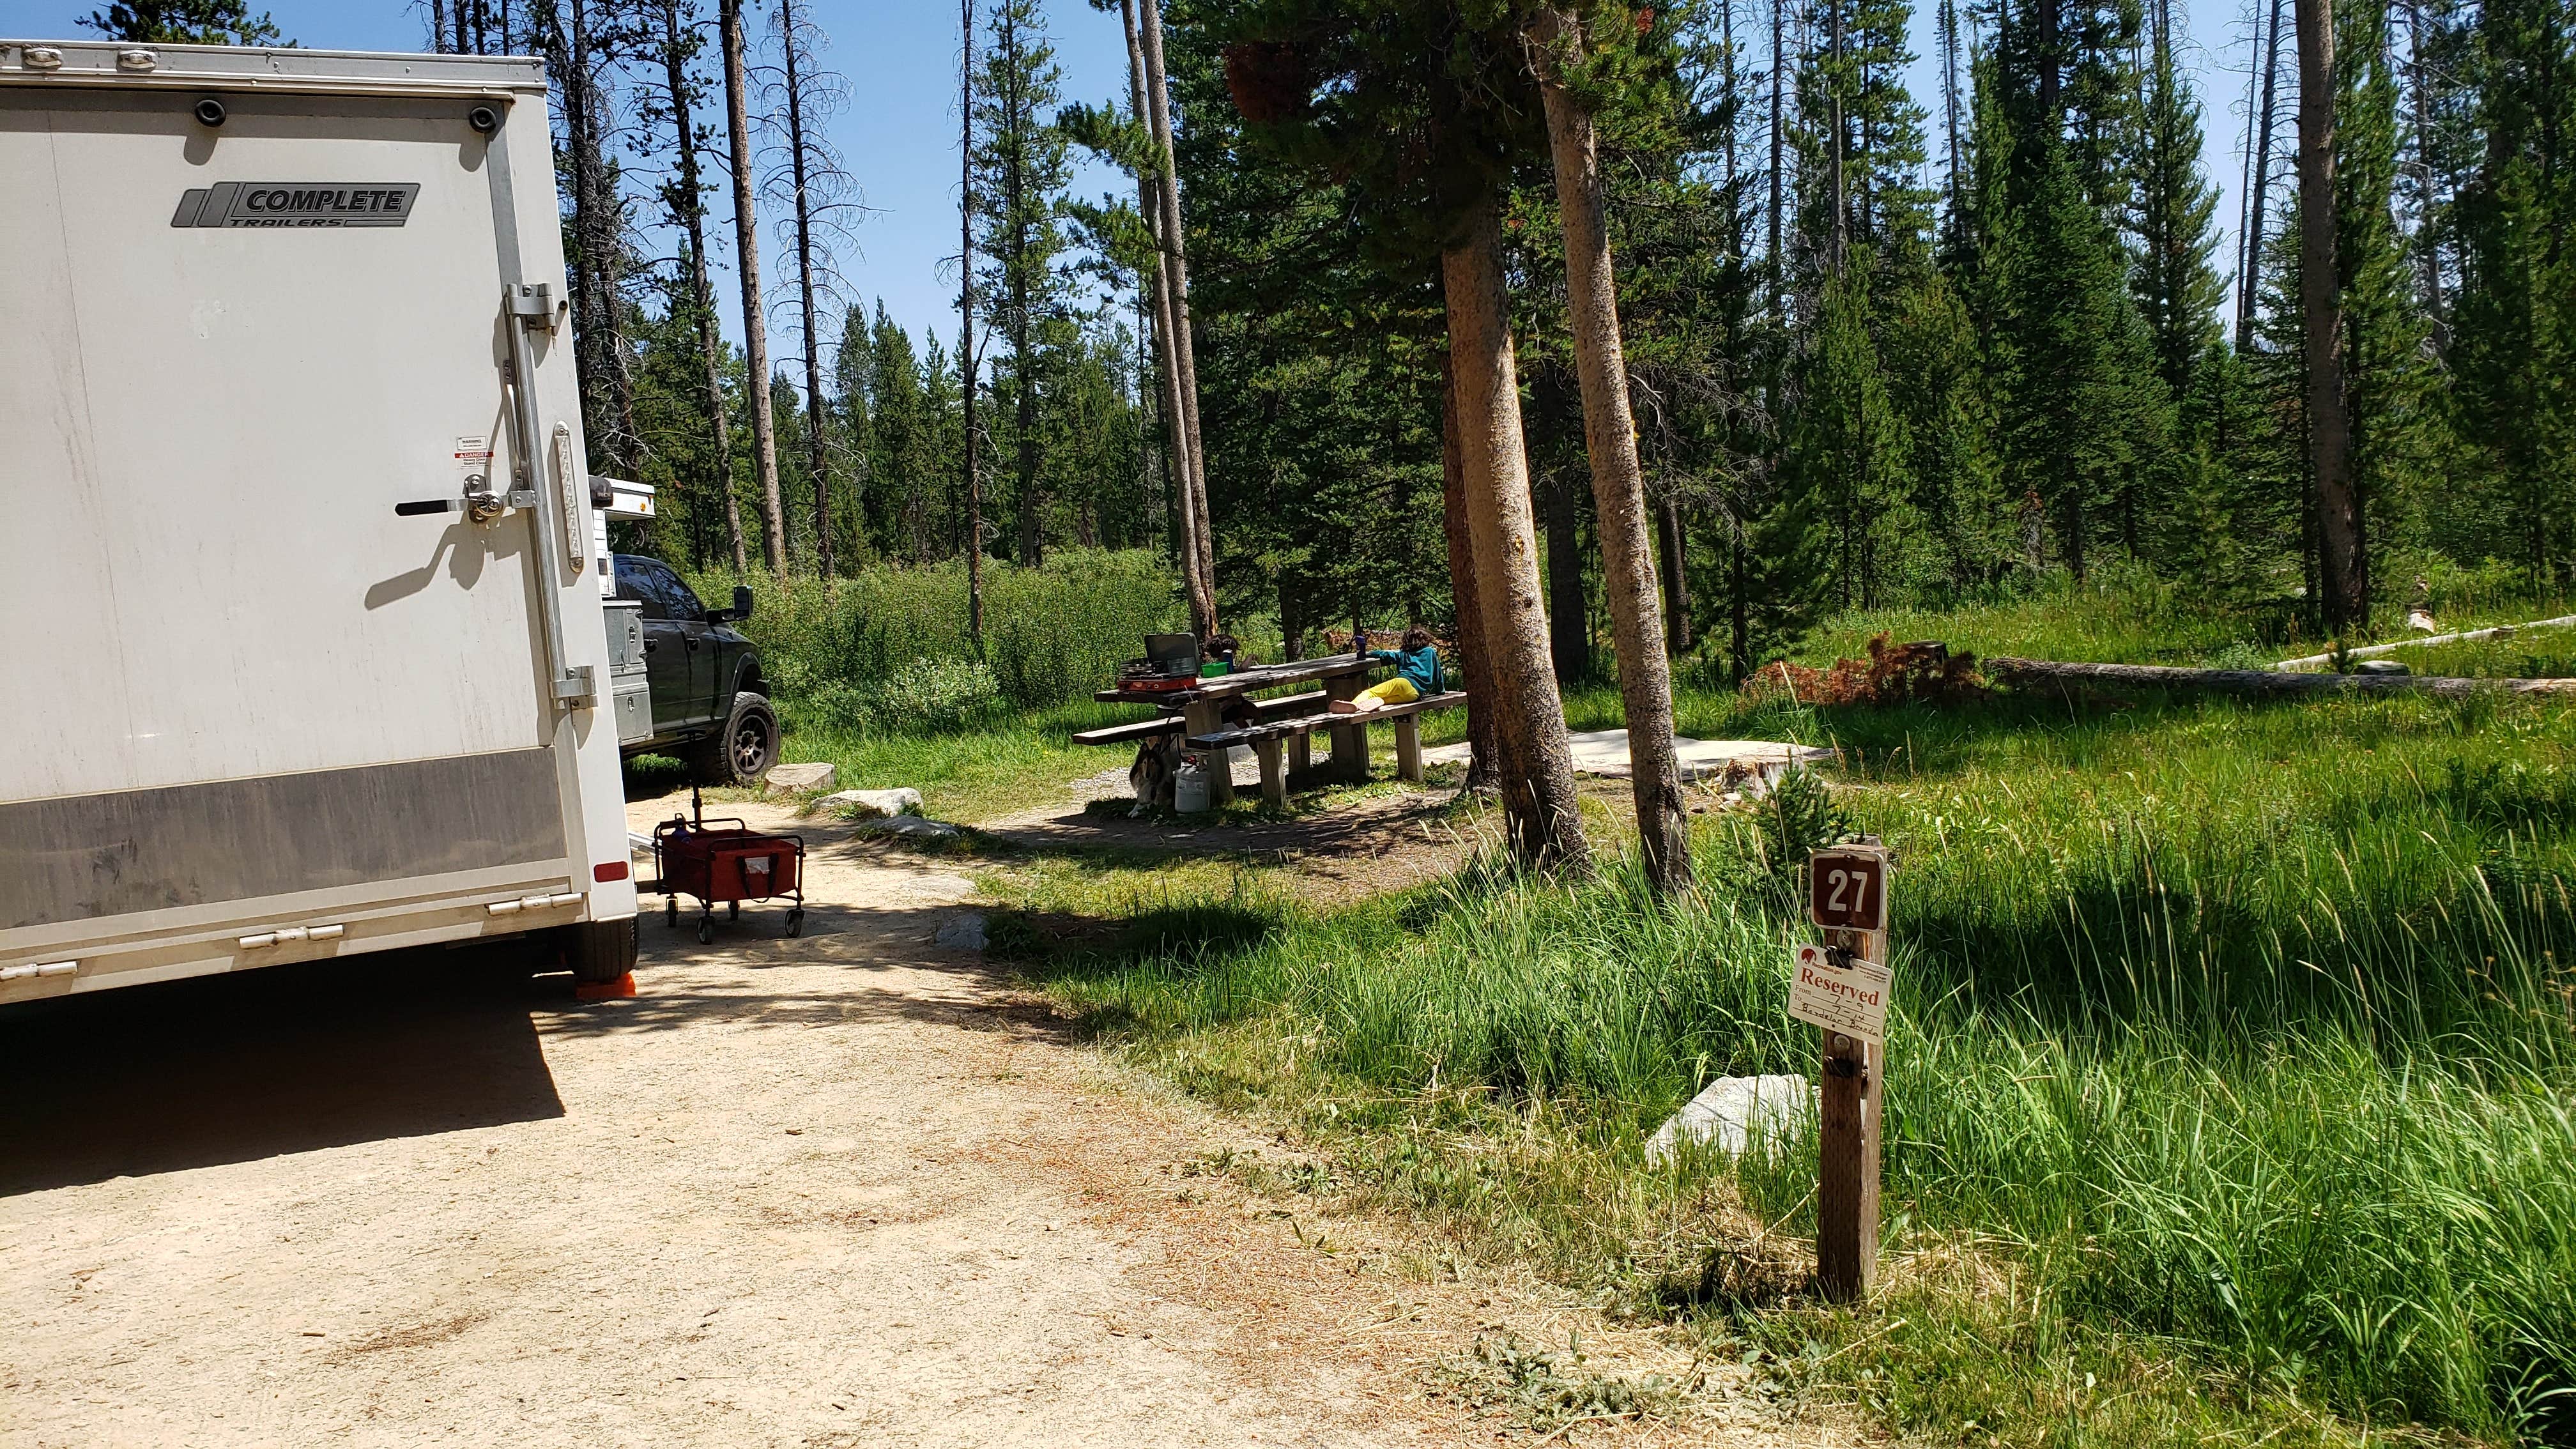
1265 737
1198 713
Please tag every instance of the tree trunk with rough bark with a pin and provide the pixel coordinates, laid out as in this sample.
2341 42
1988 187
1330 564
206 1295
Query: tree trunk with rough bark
1474 674
702 294
1529 720
2344 582
1149 205
755 325
1618 480
1176 272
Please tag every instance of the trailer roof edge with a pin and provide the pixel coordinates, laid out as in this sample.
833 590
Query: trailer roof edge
89 63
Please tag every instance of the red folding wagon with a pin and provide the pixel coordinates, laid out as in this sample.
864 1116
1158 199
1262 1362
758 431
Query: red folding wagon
725 862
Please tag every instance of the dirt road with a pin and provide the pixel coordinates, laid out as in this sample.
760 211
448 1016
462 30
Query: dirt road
848 1189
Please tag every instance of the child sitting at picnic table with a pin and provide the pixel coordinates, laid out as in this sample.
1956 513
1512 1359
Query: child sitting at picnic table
1417 674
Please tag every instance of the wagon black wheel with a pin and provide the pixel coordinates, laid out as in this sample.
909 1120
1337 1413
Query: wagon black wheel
706 930
671 911
796 921
733 910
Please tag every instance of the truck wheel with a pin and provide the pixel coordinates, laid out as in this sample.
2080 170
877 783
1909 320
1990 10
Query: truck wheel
743 751
600 950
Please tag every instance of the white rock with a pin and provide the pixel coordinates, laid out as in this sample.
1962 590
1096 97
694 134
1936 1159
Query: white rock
964 933
1728 1111
872 804
801 778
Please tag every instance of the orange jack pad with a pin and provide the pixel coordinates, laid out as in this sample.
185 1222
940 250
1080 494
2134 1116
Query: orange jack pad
623 986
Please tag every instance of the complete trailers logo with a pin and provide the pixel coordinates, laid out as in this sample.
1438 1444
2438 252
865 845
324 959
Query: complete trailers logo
297 204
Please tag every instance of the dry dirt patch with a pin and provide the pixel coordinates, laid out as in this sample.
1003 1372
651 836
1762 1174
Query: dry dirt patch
844 1189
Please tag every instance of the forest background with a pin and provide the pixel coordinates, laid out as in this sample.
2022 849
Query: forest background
2007 352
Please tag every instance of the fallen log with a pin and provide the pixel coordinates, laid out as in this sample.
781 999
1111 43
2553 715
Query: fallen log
2373 651
2263 681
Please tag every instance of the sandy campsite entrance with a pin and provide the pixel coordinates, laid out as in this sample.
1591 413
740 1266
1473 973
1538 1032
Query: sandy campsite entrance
846 1189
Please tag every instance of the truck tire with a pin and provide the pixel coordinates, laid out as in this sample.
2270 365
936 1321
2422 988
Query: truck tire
600 950
743 751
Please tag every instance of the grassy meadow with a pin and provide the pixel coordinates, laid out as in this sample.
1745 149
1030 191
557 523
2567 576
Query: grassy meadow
2232 1079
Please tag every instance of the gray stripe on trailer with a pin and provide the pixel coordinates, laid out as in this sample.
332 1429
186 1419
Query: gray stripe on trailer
86 857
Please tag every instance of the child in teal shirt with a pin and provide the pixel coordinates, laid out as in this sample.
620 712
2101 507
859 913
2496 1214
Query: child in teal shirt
1417 675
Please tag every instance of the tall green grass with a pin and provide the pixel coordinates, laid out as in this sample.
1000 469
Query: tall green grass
2243 1032
1051 634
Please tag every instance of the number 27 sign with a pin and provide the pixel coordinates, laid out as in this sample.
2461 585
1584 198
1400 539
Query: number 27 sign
1847 889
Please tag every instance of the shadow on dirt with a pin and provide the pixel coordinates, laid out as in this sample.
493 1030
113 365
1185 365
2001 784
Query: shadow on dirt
182 1074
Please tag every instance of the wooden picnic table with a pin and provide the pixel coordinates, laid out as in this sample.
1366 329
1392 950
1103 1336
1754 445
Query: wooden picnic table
1202 708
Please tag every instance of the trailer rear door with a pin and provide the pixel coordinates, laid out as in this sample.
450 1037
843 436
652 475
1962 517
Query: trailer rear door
231 352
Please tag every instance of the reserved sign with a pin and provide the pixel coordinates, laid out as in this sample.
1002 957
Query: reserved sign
1851 999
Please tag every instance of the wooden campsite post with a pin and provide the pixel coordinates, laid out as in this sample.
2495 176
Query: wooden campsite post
1847 896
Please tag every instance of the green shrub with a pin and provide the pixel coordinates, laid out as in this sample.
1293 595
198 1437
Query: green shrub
1051 634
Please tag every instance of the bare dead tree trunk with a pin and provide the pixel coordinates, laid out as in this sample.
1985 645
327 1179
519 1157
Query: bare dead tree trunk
816 454
1176 270
2344 586
2428 238
2248 297
1618 479
1529 719
1779 272
755 325
702 296
966 322
1182 470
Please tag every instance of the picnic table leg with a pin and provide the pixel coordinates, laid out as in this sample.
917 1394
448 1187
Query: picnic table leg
1301 752
1274 780
1350 741
1202 718
1408 747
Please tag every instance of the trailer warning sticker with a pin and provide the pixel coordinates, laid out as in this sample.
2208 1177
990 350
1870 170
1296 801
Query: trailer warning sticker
297 204
474 455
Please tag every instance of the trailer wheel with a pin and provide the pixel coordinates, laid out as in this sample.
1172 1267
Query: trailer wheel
742 752
600 950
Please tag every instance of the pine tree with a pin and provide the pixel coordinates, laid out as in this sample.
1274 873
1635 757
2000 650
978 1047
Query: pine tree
2514 340
2175 217
185 22
1021 168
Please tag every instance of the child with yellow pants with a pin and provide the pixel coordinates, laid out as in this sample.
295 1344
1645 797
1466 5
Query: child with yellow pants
1417 673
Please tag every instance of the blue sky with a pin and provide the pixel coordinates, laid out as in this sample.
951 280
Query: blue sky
899 131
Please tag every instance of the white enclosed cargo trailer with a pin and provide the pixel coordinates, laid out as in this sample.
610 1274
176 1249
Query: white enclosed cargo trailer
292 491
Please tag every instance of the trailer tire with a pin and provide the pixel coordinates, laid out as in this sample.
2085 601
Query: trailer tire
600 950
742 752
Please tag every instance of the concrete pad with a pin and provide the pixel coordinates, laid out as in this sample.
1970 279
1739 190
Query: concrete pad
1605 752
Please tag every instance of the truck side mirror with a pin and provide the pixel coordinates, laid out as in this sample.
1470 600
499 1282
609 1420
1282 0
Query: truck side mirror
741 602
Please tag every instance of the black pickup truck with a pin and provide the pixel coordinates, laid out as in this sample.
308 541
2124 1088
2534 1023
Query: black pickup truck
710 704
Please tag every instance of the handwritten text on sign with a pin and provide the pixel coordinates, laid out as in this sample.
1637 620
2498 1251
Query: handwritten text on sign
1851 999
